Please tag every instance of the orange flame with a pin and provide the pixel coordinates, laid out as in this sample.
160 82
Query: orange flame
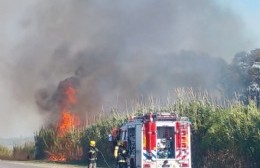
57 157
68 119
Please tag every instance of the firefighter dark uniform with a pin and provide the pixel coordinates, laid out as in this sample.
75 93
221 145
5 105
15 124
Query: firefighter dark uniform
92 155
120 154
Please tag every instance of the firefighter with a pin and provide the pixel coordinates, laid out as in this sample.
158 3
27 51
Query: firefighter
120 154
92 155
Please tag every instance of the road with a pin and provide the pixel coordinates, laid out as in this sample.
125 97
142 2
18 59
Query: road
21 164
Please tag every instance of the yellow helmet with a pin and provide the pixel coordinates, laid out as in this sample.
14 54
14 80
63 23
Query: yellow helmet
92 143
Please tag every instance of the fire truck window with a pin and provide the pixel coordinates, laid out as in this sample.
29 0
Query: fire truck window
123 135
165 142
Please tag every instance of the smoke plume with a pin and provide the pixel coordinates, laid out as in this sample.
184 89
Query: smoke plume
120 49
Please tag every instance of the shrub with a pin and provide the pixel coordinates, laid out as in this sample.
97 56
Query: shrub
24 152
5 153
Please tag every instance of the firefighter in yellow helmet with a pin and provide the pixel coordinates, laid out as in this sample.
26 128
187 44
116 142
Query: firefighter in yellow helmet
92 155
120 154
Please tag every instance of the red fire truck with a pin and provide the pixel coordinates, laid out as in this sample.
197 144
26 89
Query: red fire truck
157 140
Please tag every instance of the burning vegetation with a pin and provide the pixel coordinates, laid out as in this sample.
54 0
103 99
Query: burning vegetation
68 118
60 134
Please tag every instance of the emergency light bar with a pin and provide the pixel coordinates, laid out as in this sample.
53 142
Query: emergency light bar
158 116
165 116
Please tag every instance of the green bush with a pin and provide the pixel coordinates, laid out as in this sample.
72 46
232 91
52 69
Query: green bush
222 136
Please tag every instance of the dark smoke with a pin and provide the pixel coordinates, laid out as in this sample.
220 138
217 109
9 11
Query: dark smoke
53 102
123 49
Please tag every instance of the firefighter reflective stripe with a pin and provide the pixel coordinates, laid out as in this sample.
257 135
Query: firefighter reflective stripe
121 161
121 158
122 155
116 152
92 154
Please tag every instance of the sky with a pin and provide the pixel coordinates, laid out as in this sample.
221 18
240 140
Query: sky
249 11
26 24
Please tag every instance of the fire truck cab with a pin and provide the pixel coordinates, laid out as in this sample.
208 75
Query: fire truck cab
157 140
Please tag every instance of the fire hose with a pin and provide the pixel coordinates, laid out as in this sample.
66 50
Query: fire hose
101 154
104 158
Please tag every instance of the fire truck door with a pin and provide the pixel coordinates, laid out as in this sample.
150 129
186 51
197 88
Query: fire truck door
139 142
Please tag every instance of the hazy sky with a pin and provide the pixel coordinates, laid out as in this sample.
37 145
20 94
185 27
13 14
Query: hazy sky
25 26
249 11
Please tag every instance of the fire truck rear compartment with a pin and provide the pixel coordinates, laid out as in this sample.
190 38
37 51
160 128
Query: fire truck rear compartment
165 142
